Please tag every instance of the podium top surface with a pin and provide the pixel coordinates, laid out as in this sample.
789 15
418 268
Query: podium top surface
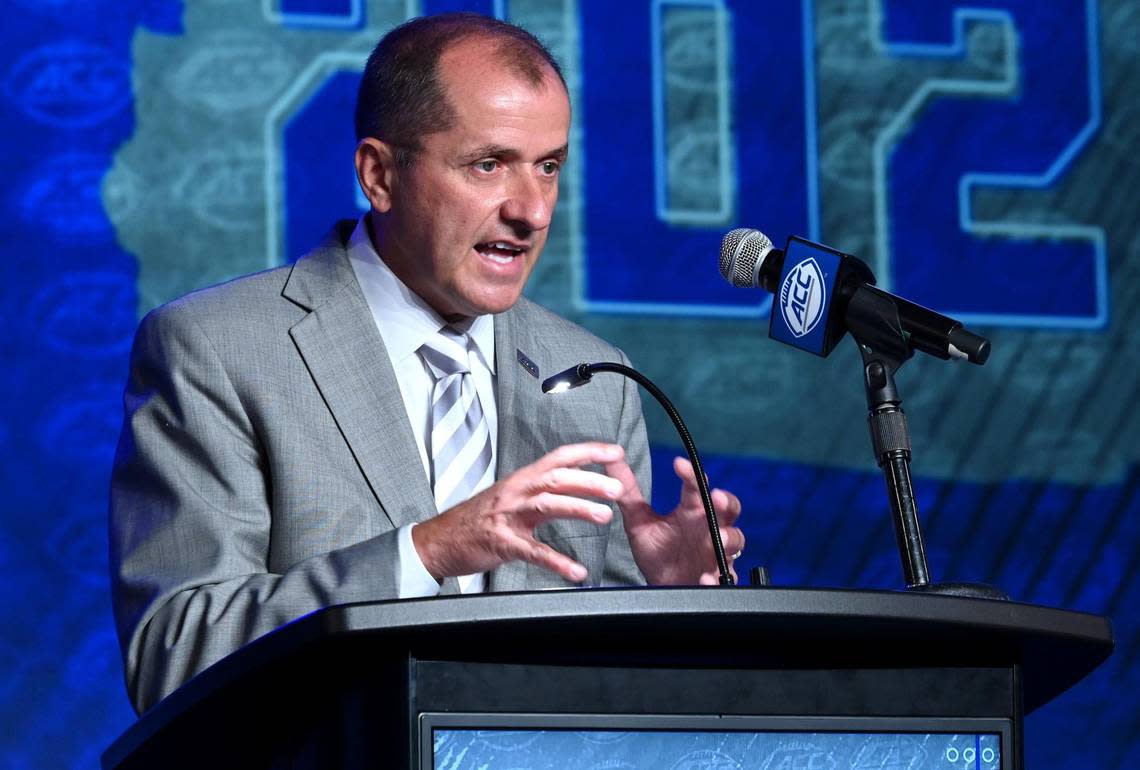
714 626
835 612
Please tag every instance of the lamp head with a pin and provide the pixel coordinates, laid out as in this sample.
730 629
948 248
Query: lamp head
571 378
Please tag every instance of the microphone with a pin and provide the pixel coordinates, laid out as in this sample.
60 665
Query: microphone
820 293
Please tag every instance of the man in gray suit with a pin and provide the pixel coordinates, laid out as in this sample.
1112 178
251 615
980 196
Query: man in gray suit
284 443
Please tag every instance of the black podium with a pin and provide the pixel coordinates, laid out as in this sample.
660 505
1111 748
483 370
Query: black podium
364 685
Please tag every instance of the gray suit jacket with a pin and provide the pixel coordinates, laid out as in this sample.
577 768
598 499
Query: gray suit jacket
266 462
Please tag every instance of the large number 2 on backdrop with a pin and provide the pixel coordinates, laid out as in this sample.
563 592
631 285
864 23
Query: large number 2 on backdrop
1026 135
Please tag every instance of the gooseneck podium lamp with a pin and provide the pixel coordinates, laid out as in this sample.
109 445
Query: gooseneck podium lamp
579 375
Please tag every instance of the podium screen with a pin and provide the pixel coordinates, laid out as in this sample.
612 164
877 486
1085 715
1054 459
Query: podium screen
648 742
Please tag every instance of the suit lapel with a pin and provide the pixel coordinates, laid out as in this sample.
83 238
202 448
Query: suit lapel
344 353
518 399
517 392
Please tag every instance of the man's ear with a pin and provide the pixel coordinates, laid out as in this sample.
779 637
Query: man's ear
376 172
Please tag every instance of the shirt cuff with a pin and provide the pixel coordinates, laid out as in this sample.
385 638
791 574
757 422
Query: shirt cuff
415 582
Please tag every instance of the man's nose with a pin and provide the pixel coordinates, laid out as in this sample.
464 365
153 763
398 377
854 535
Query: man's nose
529 204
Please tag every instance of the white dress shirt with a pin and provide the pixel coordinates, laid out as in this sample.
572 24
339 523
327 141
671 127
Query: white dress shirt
406 322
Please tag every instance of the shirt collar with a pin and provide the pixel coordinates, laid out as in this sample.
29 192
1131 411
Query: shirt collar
404 319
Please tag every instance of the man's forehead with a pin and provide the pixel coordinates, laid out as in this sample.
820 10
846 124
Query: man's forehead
481 58
494 107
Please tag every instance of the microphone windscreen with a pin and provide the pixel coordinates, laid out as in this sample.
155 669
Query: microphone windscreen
742 251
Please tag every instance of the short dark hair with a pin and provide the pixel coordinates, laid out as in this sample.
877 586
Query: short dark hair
401 96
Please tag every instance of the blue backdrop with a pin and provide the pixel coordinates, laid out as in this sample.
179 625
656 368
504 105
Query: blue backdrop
981 156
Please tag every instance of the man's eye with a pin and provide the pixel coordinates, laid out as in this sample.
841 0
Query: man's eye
550 167
487 166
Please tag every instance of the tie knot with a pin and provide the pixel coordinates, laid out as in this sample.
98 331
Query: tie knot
446 353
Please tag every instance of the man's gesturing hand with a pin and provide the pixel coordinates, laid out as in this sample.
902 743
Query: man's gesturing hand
676 549
497 525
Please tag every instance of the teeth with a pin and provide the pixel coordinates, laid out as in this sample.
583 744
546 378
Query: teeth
489 250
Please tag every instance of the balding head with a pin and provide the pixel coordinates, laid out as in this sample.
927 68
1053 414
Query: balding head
402 95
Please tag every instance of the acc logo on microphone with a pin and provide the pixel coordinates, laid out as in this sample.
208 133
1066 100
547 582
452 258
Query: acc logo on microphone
803 296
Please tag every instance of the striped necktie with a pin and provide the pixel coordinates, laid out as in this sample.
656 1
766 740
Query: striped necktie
459 441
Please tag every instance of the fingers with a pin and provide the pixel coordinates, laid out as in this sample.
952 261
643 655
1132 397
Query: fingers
713 578
733 540
477 535
690 492
727 506
554 488
676 549
635 509
620 470
684 470
551 506
574 481
497 525
544 556
577 455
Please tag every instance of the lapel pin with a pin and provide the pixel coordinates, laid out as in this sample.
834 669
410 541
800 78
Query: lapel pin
527 364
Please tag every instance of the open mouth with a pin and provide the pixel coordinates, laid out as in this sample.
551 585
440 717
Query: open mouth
499 251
